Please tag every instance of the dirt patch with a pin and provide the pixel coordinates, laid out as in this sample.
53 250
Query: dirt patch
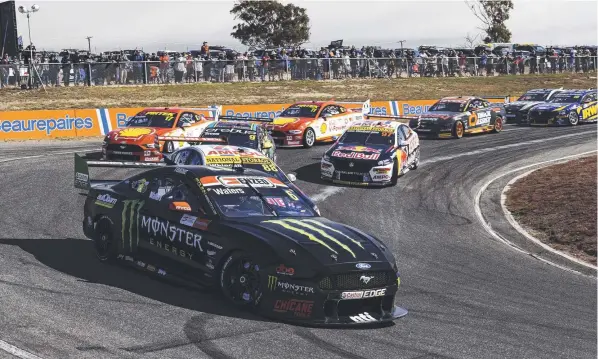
558 205
281 92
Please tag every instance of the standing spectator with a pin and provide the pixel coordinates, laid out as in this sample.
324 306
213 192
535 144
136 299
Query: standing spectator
190 69
164 65
207 68
179 69
265 65
240 66
66 70
44 70
138 68
205 49
483 62
125 67
251 66
4 71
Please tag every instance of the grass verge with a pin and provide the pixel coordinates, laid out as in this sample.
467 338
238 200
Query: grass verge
558 205
281 92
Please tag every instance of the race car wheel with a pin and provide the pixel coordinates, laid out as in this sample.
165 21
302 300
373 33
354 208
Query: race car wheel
395 173
309 137
498 124
573 118
240 280
104 245
169 147
458 129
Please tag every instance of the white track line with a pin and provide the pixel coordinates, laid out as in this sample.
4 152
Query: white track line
19 353
497 236
526 234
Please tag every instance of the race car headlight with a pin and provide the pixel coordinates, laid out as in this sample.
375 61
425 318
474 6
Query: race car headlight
295 132
385 162
151 145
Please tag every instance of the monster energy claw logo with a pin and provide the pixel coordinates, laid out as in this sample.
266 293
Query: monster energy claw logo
272 280
130 211
316 231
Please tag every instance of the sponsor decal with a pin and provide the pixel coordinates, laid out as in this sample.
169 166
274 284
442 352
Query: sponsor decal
129 259
188 220
134 132
242 181
484 118
312 229
105 200
210 253
363 266
299 308
180 206
150 268
358 149
170 248
371 129
283 270
81 179
147 153
130 222
589 112
364 317
155 196
214 245
365 279
152 159
141 264
161 272
224 191
180 170
355 155
364 294
381 177
202 224
209 264
160 228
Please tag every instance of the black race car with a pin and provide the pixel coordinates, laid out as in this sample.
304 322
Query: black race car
456 116
246 233
243 132
516 112
372 152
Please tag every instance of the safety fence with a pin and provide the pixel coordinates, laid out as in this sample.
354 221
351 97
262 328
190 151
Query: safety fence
23 125
148 72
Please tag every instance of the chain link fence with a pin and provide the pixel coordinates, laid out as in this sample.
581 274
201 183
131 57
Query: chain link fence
192 71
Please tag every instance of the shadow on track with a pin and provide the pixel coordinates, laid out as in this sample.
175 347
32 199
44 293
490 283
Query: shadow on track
76 258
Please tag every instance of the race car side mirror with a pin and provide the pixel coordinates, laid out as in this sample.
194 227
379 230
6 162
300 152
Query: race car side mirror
292 177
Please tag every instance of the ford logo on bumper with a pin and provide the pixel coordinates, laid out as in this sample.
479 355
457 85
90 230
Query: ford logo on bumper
363 266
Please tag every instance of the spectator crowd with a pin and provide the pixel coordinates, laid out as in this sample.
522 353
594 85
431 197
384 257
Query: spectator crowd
220 64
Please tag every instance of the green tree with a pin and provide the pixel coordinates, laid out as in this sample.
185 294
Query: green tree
493 15
270 24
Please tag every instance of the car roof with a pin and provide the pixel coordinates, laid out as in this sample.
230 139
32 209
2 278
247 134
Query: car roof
203 171
165 109
319 103
233 123
577 91
458 98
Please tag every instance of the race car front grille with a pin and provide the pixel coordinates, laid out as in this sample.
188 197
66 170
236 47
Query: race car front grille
123 148
540 117
358 280
358 166
277 134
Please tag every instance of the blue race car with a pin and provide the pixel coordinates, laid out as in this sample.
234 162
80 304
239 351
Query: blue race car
566 108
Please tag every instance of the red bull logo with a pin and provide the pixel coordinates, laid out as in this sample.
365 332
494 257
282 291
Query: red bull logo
358 149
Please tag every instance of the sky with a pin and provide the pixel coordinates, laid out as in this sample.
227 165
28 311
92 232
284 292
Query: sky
174 25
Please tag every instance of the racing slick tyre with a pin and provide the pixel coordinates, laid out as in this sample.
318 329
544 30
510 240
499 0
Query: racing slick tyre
309 137
169 147
497 124
104 245
458 129
573 118
240 280
395 173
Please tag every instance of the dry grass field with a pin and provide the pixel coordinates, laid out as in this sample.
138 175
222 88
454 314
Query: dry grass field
281 92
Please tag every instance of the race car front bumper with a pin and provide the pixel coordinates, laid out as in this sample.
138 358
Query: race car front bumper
370 176
550 119
435 129
287 139
125 152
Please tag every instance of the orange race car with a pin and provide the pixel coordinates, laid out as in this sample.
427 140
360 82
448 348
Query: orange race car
145 136
305 123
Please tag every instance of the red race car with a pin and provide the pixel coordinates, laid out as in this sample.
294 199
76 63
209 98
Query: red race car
145 137
305 123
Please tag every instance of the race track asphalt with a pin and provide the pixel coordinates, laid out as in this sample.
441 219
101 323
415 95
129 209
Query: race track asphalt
468 295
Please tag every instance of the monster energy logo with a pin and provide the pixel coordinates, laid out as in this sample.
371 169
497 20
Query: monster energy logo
131 211
317 228
272 280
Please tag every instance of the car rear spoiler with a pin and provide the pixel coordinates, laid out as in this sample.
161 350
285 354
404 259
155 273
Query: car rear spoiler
83 180
366 105
401 119
248 119
506 99
193 139
213 110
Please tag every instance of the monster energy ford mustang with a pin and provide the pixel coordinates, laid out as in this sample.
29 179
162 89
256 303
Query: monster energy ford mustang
517 111
248 234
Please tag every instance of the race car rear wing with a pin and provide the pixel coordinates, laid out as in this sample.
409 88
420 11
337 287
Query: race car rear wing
214 111
366 106
83 180
199 140
401 119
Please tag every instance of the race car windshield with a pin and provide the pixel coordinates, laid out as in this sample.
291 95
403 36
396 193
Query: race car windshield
367 138
534 96
563 98
238 202
301 111
153 119
448 106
